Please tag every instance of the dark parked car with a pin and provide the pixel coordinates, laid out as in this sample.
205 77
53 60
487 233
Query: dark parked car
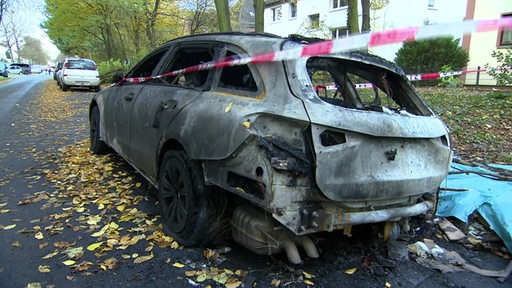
4 69
58 67
25 68
284 148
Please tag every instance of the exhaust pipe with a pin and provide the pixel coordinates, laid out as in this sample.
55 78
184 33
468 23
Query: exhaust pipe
262 235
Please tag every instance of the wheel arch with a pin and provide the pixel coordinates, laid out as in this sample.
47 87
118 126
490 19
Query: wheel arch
169 144
92 105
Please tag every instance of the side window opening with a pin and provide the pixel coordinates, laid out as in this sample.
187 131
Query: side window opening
374 96
147 66
187 57
237 77
362 86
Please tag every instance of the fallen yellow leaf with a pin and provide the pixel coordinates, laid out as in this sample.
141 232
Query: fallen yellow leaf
39 235
201 277
143 259
221 278
178 265
44 268
193 273
68 262
16 244
94 246
388 285
228 108
8 227
110 263
350 271
307 275
93 220
48 256
233 283
309 282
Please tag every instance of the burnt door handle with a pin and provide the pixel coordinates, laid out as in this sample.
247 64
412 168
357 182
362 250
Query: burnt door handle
171 104
129 97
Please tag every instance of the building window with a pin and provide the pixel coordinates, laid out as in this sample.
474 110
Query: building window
338 4
314 21
339 32
505 35
276 14
293 10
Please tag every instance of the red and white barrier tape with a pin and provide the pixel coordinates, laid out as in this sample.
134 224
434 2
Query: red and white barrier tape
428 76
417 77
354 42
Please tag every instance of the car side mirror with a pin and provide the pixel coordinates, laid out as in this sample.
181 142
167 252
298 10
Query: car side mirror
118 76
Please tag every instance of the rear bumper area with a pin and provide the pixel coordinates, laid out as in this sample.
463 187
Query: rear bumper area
330 217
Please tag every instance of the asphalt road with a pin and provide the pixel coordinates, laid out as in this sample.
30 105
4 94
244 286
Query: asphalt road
31 228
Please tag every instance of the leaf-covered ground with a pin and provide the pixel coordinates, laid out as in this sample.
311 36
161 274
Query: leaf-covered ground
99 215
99 218
480 122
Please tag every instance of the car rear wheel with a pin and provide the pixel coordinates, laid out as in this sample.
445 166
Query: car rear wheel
64 87
192 212
95 144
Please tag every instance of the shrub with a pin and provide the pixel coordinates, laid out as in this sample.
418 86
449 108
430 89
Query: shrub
449 81
108 68
430 55
503 75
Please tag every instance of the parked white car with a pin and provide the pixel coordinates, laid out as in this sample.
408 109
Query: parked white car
37 69
79 73
13 69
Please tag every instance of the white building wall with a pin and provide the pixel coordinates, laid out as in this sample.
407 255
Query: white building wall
407 13
397 14
329 18
483 44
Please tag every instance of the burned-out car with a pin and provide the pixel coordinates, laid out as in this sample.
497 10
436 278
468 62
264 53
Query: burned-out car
274 151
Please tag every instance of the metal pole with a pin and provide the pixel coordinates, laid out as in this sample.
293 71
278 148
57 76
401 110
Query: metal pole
477 76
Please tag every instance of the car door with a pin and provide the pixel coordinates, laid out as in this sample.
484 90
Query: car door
122 100
162 99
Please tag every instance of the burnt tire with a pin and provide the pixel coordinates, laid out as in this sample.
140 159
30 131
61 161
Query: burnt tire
192 212
96 145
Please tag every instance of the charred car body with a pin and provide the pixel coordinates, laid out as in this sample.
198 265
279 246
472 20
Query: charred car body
298 147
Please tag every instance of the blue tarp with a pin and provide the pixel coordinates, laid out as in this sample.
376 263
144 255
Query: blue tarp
491 198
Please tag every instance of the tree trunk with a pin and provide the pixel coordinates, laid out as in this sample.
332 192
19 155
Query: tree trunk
223 15
259 9
152 23
365 26
352 19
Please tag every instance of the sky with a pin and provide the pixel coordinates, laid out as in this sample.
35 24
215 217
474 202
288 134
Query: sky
31 13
